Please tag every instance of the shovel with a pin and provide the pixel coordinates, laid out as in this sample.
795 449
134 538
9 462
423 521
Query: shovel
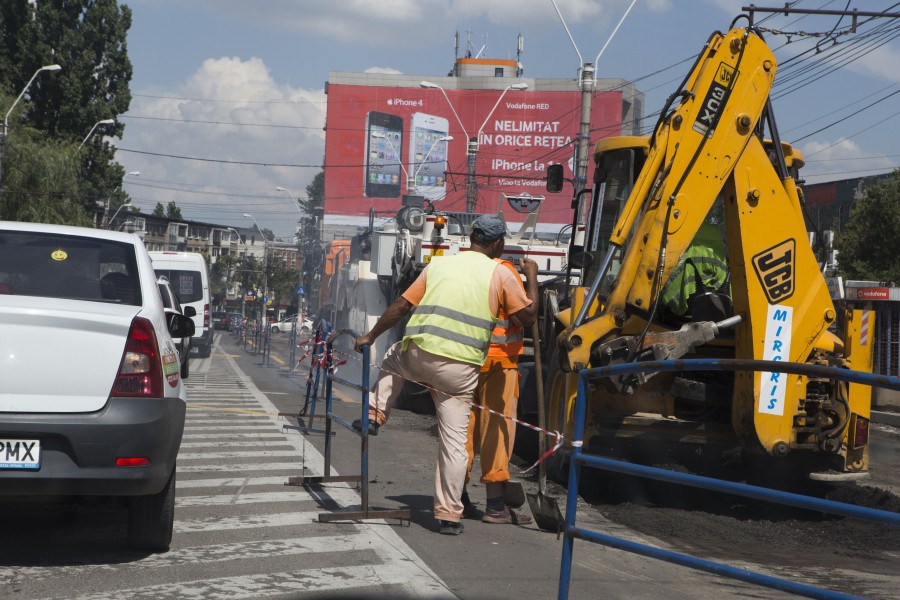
544 508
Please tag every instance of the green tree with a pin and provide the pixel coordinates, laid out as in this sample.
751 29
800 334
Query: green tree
39 181
867 245
172 211
222 274
87 38
314 208
159 210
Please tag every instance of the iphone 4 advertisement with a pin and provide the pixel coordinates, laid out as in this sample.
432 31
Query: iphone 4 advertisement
428 137
384 147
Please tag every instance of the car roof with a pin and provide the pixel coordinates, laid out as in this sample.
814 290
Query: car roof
104 234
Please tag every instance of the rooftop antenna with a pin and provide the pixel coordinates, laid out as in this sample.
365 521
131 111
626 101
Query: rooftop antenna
455 71
520 47
483 47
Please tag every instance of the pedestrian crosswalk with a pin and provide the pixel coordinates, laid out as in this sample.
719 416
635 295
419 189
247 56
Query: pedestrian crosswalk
234 513
239 531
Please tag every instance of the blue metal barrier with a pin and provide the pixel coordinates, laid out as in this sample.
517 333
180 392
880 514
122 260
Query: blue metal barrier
364 511
315 371
579 458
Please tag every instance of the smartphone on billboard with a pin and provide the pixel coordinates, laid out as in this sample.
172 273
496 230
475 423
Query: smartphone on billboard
428 155
384 149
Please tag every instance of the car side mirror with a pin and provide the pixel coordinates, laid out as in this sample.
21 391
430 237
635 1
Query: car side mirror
555 178
190 311
581 259
181 326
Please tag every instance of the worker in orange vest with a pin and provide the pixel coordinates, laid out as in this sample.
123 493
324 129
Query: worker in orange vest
490 435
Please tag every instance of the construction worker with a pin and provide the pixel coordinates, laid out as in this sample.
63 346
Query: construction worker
491 435
457 300
702 269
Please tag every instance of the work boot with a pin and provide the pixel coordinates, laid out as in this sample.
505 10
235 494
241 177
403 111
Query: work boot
373 426
470 511
451 528
505 517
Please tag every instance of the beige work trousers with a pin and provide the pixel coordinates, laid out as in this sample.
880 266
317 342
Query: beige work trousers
452 385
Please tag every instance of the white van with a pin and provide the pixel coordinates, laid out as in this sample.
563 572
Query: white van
189 278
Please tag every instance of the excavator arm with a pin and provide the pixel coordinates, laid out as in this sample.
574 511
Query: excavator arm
711 147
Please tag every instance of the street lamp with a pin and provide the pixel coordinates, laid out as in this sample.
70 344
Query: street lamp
106 221
116 214
472 146
299 255
411 179
91 132
265 261
296 202
230 272
6 118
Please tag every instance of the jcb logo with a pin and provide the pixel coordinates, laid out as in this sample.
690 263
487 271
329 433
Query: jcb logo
724 74
715 99
775 269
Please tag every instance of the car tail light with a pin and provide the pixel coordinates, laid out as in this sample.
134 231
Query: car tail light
860 432
132 461
206 315
140 373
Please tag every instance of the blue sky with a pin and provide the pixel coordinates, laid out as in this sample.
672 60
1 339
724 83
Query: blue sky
240 84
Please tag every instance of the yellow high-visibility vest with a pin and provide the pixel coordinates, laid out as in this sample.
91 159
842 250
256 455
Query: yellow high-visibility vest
454 318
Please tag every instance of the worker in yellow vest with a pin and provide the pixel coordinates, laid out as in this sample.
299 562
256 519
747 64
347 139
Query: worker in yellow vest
491 435
457 300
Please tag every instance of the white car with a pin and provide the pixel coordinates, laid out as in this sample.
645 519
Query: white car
91 397
288 323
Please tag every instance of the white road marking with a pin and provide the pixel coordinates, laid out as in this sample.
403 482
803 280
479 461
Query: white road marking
304 581
239 531
266 434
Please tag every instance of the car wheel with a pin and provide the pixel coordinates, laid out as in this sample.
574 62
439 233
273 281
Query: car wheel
151 519
275 329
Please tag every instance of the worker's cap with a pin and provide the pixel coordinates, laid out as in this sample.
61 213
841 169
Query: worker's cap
491 226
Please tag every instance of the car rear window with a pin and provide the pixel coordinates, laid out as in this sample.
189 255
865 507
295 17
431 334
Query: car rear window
186 284
53 265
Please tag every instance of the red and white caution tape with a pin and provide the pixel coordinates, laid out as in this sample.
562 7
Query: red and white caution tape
556 434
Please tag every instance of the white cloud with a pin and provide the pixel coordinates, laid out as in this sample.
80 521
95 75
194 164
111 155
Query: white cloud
228 110
840 159
383 71
405 23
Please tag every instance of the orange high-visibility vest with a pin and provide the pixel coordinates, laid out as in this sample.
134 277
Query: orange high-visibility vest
507 339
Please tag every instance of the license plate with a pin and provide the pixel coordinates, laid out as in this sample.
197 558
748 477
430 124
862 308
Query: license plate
20 454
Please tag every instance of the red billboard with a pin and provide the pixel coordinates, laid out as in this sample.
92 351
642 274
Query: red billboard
384 142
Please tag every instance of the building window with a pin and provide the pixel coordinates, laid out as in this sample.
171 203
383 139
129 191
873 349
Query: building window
498 71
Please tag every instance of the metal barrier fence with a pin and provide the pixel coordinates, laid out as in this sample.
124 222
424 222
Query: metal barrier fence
313 377
364 511
579 458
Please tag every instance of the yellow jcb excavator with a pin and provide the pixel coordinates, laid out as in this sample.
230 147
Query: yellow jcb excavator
695 247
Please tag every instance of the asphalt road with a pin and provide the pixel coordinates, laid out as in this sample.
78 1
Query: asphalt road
241 533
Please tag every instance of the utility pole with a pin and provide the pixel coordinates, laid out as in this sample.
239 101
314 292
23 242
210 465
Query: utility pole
584 132
471 180
587 83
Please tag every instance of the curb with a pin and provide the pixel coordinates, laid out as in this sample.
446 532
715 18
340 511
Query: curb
886 418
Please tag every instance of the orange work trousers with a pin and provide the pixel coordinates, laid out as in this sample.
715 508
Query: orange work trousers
492 436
